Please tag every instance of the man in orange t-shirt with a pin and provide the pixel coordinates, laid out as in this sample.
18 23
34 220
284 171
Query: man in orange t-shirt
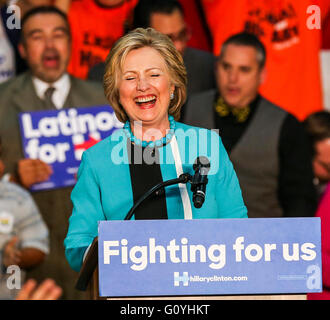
200 37
293 69
96 25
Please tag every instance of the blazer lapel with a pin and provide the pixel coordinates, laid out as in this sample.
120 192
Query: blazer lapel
25 97
75 97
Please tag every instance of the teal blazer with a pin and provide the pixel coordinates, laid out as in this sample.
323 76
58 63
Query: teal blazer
103 190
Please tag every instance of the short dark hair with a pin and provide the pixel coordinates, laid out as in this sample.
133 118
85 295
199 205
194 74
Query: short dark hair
248 40
44 10
317 126
145 8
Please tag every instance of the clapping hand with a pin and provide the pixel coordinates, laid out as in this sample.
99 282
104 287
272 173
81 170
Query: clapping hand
11 254
47 290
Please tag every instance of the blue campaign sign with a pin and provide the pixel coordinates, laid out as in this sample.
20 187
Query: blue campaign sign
209 257
59 137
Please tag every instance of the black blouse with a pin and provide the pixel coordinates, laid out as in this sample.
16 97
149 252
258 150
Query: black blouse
144 176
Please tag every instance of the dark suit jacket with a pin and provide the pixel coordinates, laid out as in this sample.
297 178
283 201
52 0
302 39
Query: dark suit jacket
199 110
200 70
18 95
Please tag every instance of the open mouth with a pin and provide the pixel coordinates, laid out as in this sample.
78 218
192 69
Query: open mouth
146 102
233 91
51 60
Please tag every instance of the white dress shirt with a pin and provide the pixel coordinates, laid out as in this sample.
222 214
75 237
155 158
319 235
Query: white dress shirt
62 88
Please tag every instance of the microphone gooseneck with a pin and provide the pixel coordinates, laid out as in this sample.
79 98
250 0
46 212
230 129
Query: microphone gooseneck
198 185
184 178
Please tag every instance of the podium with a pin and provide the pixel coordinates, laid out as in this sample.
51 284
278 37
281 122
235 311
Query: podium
88 279
89 274
203 259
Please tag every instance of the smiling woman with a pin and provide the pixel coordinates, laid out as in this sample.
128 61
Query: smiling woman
166 63
145 83
145 89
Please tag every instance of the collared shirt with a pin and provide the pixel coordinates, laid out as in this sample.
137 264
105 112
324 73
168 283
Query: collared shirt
19 216
62 88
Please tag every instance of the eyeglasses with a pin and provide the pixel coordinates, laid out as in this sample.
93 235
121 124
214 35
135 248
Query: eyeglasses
182 36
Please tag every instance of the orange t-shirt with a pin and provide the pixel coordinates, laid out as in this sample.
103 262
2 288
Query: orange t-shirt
293 68
94 31
194 19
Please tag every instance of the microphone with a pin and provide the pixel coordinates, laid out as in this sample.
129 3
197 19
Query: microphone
199 180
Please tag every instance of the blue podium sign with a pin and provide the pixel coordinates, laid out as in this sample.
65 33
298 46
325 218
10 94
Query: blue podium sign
59 137
209 257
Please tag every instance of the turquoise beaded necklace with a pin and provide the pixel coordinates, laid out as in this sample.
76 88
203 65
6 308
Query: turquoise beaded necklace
151 144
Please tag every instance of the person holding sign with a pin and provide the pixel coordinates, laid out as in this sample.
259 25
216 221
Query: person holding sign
145 82
47 86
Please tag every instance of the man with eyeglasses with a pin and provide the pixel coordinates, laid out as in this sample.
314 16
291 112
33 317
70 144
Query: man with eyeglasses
318 127
167 17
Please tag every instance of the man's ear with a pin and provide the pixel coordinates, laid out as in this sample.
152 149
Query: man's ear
217 72
21 50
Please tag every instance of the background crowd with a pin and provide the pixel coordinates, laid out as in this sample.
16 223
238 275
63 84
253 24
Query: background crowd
259 71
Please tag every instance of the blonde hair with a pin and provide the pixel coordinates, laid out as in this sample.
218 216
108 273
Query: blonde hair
136 39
